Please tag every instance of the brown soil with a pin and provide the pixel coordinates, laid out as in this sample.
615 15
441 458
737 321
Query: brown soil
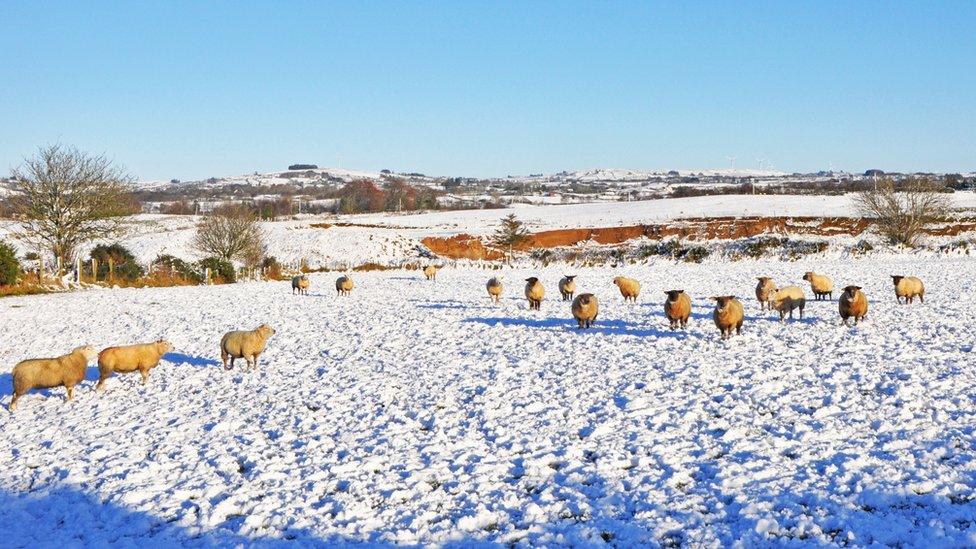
464 246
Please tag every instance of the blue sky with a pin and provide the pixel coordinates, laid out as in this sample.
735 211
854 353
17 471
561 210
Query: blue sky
198 89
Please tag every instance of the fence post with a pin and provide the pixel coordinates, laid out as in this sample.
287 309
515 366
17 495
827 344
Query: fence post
78 271
206 275
40 270
111 269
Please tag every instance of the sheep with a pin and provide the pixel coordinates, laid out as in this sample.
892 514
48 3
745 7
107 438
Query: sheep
853 303
344 285
629 288
822 286
567 287
300 283
534 292
728 315
495 287
908 287
764 290
786 299
44 373
142 357
585 308
677 308
246 345
430 271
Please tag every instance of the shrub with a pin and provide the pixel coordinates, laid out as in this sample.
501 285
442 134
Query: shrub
32 256
796 250
176 270
9 266
762 246
670 248
696 254
862 247
271 268
123 263
221 270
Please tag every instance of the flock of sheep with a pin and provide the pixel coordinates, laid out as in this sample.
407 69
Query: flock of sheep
729 313
69 370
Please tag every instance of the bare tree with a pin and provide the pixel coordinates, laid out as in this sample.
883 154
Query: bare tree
901 212
231 232
65 197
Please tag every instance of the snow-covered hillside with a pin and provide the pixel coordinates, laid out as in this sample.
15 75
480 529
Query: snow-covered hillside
396 238
420 413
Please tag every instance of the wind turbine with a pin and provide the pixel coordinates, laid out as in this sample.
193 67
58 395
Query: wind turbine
731 161
761 162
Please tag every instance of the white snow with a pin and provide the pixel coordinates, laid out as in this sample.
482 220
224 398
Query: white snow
396 238
420 413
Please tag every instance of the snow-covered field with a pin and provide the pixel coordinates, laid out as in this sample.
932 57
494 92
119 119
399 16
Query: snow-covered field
417 412
396 238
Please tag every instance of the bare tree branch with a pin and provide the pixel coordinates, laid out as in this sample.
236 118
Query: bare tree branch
65 197
231 232
900 213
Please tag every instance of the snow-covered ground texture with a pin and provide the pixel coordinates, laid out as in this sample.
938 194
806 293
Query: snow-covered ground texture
418 412
351 240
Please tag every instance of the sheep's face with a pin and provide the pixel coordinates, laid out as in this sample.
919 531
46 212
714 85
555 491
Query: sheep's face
532 280
851 291
586 299
896 279
808 275
164 346
722 302
673 294
569 277
618 280
87 351
265 330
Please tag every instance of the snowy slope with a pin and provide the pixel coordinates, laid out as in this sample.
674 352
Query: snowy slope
416 412
393 238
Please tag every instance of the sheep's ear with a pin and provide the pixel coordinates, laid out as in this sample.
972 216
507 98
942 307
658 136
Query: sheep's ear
681 291
714 298
731 297
857 287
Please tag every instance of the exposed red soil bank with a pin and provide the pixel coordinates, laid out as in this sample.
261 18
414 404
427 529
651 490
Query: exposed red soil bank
464 246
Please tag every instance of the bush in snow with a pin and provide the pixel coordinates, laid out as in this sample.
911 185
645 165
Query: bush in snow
175 271
9 266
115 261
221 270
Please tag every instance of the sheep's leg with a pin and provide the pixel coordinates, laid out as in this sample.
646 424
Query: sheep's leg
102 376
71 392
13 402
145 376
254 361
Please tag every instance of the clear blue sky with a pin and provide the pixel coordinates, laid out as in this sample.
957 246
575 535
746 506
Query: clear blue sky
195 89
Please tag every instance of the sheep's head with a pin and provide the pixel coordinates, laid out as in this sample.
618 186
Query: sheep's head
896 278
87 351
532 280
673 294
265 330
164 346
586 299
851 291
808 275
722 301
569 277
617 280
